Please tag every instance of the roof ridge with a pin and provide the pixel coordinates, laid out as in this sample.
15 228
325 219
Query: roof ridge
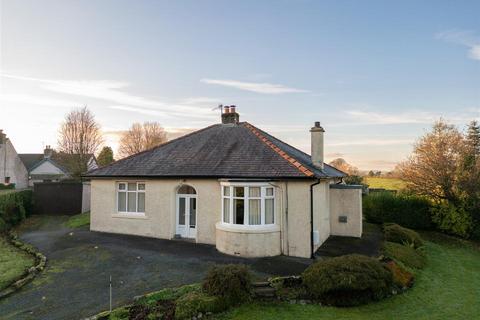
153 148
292 160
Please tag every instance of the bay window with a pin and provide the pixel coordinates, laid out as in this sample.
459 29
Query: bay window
130 197
248 204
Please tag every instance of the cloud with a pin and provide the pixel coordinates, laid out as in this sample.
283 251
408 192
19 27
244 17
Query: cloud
266 88
113 91
464 38
37 100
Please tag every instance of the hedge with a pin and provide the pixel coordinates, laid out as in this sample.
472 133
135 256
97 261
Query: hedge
14 207
395 233
406 210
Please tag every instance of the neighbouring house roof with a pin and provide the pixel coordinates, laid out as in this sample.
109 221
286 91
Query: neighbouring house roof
221 151
63 161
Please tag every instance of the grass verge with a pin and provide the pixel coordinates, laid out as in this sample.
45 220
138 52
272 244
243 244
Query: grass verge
448 288
13 263
78 220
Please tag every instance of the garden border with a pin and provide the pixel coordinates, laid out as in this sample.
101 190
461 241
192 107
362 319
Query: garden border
30 274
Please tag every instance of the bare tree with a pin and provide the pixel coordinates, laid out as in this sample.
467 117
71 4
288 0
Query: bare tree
141 137
79 136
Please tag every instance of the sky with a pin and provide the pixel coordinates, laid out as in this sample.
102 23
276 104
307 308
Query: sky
376 74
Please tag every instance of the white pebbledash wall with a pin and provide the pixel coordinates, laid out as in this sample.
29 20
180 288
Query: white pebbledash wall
11 165
290 236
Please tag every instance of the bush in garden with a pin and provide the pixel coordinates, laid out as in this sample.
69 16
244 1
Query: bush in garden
232 282
406 255
348 280
452 219
14 207
193 303
407 210
395 233
401 278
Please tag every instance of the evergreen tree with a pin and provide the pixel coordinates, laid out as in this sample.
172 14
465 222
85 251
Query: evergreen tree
105 157
473 138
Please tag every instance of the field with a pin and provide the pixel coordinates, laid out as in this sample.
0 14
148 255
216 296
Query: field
385 183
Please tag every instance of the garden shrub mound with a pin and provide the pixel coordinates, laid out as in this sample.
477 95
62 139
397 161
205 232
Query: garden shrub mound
407 210
233 282
348 280
402 278
395 233
406 255
14 207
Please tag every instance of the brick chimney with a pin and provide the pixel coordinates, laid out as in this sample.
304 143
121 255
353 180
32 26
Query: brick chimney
230 116
317 144
47 152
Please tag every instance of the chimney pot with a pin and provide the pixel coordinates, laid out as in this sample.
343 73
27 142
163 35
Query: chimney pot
230 116
227 109
317 124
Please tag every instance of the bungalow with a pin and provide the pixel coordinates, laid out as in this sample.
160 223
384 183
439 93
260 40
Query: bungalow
231 185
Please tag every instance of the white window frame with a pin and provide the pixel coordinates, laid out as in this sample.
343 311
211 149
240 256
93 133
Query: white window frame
246 214
126 191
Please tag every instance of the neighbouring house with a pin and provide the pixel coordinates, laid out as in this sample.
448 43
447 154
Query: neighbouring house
231 185
51 166
12 169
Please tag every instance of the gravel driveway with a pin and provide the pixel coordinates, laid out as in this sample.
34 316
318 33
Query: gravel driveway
75 283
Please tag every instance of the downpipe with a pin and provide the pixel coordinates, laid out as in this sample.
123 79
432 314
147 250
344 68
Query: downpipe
312 247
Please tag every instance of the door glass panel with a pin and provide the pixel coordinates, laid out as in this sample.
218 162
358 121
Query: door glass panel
132 202
122 201
254 212
238 211
193 212
181 211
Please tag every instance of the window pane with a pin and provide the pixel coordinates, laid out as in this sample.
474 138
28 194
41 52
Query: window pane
226 191
269 192
121 186
141 202
132 202
132 187
122 201
238 210
181 211
239 192
193 212
141 186
254 191
226 210
254 212
269 211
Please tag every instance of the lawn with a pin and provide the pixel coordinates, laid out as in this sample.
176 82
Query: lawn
448 288
13 263
78 220
385 183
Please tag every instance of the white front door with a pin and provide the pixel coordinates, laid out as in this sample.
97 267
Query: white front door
187 216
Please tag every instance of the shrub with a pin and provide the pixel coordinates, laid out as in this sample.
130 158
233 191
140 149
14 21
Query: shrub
14 207
407 210
406 255
453 220
395 233
348 280
401 277
193 303
232 282
288 288
10 186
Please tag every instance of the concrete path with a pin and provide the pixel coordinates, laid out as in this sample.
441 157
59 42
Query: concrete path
75 283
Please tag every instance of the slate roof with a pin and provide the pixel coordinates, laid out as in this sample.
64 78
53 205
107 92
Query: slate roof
30 159
61 160
220 151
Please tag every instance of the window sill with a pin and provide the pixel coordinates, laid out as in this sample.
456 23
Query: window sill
238 228
141 216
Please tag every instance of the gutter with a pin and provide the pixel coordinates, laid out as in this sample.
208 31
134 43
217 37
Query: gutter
312 251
